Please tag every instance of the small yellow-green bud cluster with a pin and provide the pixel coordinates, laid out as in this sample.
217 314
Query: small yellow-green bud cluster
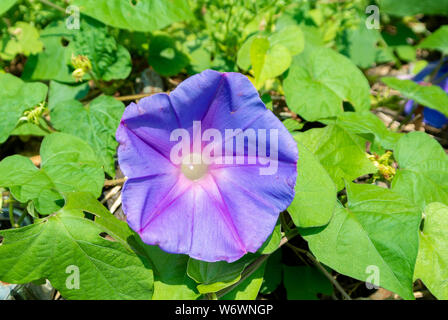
384 164
82 66
33 115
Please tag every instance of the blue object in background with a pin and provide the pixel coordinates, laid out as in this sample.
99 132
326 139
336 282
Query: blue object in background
5 291
430 116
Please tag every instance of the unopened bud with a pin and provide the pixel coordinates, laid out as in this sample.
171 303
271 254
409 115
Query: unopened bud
78 74
82 66
34 114
384 164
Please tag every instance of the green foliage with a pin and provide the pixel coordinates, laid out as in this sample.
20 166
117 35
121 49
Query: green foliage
304 58
339 151
433 250
367 229
315 198
422 176
290 124
197 48
54 62
165 58
23 38
437 41
95 123
68 243
229 23
369 126
360 45
412 7
304 283
171 281
5 5
431 96
268 62
249 288
215 276
17 96
138 15
273 274
31 129
64 92
271 55
109 60
68 164
318 82
272 243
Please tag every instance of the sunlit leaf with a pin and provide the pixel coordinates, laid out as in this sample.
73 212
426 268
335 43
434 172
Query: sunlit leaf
340 152
423 169
63 92
437 41
136 15
109 59
171 281
273 241
433 250
412 7
215 276
429 96
54 62
268 61
315 197
23 38
68 249
318 82
366 123
249 288
5 5
17 96
68 164
95 123
367 229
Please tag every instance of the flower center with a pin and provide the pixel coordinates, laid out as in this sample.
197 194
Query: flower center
193 167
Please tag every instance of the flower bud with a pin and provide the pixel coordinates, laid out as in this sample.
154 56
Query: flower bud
82 66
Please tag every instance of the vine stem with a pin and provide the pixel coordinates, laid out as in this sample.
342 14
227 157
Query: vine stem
114 182
246 274
436 70
11 214
211 296
50 128
95 80
256 264
111 193
54 6
133 97
322 269
443 77
22 217
284 223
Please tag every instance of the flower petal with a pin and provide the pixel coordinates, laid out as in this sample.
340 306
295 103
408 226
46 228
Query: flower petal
145 197
255 200
234 207
144 137
194 223
192 98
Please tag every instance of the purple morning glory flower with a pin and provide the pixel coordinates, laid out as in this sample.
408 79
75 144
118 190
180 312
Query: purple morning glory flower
212 209
430 116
